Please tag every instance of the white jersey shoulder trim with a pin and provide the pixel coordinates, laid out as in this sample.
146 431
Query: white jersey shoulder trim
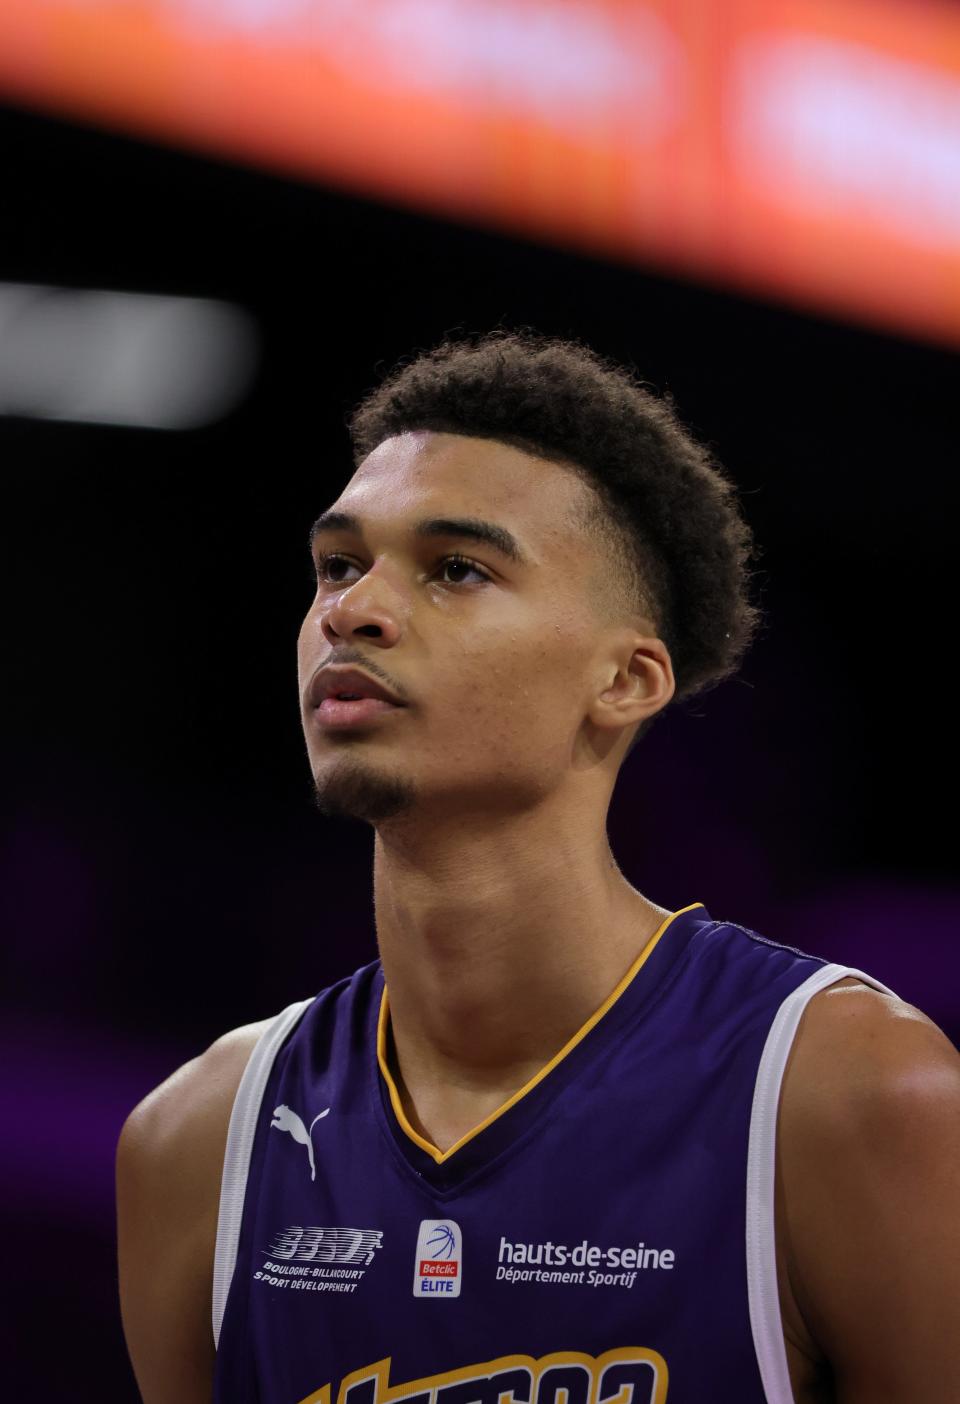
762 1287
236 1160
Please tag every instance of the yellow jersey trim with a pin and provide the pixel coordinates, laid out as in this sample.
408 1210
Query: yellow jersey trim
440 1156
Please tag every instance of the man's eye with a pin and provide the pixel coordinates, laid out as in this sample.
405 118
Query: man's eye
462 563
331 563
322 565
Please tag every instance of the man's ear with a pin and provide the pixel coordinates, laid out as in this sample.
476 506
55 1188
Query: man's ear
638 687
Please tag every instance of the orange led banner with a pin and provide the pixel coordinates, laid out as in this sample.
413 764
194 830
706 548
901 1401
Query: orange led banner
807 149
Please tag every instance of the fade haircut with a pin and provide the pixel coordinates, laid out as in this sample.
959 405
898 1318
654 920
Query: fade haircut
662 510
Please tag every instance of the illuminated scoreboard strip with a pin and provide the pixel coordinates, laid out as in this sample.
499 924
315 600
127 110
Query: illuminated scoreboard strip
808 149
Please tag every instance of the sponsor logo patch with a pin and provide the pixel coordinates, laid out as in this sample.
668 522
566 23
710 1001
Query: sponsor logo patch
319 1259
581 1264
438 1263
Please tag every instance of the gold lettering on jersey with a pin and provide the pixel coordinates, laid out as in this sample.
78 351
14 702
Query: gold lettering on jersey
629 1375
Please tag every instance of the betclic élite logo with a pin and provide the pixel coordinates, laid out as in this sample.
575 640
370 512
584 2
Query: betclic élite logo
438 1264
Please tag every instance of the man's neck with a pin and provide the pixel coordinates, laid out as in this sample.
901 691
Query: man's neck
497 944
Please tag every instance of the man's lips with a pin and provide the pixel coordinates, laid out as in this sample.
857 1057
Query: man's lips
332 713
335 679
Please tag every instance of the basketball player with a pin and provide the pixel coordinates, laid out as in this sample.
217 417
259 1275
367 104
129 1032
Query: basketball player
559 1144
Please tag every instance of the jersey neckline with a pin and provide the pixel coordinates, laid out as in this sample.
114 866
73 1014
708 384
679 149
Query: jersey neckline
488 1135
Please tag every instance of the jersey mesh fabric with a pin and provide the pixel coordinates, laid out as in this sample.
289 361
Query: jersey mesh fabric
590 1239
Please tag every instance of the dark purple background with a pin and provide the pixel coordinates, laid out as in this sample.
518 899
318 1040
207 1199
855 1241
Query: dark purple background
165 876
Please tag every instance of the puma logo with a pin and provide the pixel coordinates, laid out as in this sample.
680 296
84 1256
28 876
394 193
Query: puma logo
287 1120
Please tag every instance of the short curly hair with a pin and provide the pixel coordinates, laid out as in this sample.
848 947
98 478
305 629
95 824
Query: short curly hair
661 506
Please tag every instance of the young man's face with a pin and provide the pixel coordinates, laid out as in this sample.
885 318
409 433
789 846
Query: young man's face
496 660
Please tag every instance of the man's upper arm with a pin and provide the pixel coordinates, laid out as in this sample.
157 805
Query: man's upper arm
169 1165
870 1160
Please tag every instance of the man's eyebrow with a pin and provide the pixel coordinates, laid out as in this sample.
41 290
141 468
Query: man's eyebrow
469 528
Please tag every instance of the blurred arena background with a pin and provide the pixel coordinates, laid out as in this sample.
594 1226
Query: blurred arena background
222 220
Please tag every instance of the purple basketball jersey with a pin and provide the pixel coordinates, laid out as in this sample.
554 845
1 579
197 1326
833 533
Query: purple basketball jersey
606 1237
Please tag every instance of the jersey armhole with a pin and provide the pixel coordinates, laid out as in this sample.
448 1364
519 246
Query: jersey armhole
762 1287
236 1160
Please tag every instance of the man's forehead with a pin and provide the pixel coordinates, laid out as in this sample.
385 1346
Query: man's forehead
424 470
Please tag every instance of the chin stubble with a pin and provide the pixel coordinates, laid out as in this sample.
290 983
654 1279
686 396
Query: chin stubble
353 790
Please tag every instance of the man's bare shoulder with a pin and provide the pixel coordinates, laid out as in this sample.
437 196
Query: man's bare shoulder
869 1165
189 1112
169 1167
870 1076
859 1049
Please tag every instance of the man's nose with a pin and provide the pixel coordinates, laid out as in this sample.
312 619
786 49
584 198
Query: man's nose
370 607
